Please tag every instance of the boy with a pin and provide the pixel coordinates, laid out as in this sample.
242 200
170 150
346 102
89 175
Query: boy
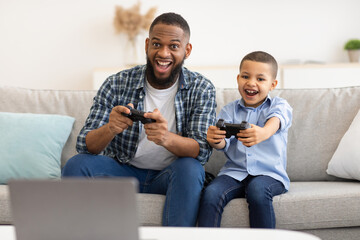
256 159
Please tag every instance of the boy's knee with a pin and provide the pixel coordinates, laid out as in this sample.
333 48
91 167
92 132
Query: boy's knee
212 193
258 194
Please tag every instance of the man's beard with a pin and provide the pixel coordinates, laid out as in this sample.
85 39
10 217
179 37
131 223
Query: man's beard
162 83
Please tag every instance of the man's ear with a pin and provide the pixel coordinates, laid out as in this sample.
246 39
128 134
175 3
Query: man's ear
188 49
146 44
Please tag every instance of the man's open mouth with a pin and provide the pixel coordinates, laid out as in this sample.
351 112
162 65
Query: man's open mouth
163 64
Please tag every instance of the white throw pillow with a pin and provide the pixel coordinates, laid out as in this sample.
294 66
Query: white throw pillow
345 162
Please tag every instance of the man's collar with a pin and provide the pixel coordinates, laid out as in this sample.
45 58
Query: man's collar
183 82
142 79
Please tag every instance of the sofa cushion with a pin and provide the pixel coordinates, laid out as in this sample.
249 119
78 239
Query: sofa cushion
307 205
321 118
345 162
31 145
5 211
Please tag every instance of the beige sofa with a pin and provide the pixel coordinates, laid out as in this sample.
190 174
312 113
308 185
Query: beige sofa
316 203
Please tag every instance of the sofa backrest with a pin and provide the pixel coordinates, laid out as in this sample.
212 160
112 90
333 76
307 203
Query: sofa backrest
64 102
320 119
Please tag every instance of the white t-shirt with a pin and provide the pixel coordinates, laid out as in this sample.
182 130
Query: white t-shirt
150 155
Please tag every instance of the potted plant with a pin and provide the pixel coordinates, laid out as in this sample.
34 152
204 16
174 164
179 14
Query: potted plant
353 48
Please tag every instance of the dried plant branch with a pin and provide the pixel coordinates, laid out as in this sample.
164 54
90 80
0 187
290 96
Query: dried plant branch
131 22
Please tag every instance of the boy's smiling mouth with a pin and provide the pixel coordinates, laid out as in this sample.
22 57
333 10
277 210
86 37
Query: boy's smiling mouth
251 92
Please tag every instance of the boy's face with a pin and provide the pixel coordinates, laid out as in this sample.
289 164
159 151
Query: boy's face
255 81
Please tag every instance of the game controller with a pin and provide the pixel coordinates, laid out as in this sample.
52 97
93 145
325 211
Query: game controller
232 129
137 115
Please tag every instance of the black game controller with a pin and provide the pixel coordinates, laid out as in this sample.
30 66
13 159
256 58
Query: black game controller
232 129
137 115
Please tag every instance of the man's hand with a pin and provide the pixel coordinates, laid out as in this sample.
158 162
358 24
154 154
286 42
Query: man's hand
157 132
117 121
254 135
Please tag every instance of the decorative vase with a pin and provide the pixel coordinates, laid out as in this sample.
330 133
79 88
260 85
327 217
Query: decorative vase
134 51
354 55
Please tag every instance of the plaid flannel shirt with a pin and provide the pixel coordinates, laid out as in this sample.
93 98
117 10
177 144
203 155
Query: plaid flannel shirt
195 106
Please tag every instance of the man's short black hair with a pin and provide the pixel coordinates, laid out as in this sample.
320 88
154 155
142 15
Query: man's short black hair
171 19
263 57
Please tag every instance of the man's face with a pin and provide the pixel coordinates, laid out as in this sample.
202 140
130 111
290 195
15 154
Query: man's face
166 49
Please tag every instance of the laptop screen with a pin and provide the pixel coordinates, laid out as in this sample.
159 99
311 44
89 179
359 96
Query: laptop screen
75 209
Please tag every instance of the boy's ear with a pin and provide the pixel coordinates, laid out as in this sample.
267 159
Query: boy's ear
273 84
238 78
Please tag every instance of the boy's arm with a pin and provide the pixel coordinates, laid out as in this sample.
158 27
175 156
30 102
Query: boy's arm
215 137
256 134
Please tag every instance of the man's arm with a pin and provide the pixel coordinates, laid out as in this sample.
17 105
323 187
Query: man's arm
98 139
178 145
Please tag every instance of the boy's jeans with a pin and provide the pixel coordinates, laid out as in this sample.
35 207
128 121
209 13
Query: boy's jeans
181 182
258 190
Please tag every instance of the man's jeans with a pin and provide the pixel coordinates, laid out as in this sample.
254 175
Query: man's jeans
258 190
181 182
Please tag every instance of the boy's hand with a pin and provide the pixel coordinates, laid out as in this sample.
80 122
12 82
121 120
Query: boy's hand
252 136
215 137
256 134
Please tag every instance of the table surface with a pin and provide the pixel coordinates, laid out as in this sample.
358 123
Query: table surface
7 232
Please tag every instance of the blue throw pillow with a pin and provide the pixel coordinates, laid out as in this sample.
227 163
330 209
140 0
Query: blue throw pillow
31 145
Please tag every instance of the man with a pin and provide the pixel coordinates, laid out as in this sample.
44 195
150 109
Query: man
165 156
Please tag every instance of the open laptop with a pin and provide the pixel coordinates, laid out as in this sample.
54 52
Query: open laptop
75 209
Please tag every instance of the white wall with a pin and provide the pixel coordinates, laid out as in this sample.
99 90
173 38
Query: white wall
57 44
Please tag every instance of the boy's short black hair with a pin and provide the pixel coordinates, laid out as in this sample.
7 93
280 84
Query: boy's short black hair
171 19
263 57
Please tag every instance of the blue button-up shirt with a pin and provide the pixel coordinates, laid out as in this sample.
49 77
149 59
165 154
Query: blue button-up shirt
265 158
194 108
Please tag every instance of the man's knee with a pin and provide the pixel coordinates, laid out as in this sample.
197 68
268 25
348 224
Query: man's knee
187 172
77 165
188 167
72 165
